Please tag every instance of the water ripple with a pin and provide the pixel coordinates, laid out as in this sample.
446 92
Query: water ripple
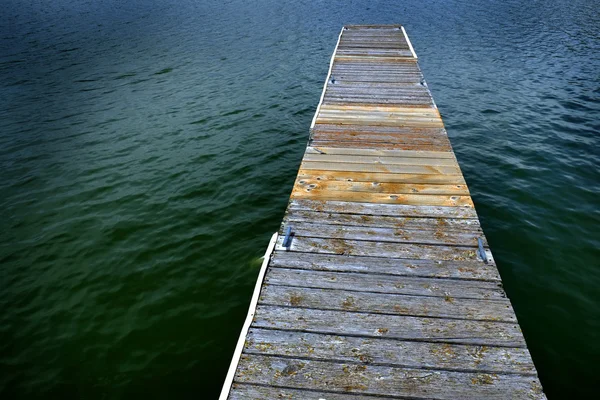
148 150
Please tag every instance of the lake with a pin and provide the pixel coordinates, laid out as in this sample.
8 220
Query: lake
148 150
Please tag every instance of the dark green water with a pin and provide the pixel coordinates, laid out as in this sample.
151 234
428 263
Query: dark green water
148 148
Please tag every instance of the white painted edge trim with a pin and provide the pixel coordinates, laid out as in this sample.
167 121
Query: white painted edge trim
412 50
251 310
314 120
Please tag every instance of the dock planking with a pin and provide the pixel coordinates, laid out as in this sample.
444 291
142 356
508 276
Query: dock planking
381 292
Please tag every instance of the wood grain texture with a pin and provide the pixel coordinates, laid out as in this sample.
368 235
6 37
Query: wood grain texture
423 224
381 249
381 153
381 198
390 304
436 145
243 391
440 236
447 289
349 323
385 168
322 186
381 177
380 350
370 159
343 378
400 210
469 270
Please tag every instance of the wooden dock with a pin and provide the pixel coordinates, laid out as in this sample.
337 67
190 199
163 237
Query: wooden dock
382 289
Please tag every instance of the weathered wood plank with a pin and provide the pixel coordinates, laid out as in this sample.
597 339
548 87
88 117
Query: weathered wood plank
244 391
395 70
391 304
373 89
448 289
399 92
370 100
390 198
365 95
381 141
390 352
374 133
359 117
378 103
396 111
356 129
397 95
416 141
393 210
373 41
470 270
378 52
384 380
382 77
441 235
405 57
376 70
381 153
398 68
316 186
375 59
349 323
368 159
424 224
372 44
341 86
381 177
374 249
380 120
403 67
385 168
437 146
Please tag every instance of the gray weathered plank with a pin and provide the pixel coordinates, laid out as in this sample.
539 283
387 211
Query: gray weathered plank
243 391
380 249
383 209
470 270
383 153
380 350
369 100
440 235
387 168
349 323
316 185
390 145
398 132
368 159
385 303
448 289
380 177
405 142
389 198
384 380
423 224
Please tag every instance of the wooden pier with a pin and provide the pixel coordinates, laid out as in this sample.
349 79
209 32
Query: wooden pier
380 283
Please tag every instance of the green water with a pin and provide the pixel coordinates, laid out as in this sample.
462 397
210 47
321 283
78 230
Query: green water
148 148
